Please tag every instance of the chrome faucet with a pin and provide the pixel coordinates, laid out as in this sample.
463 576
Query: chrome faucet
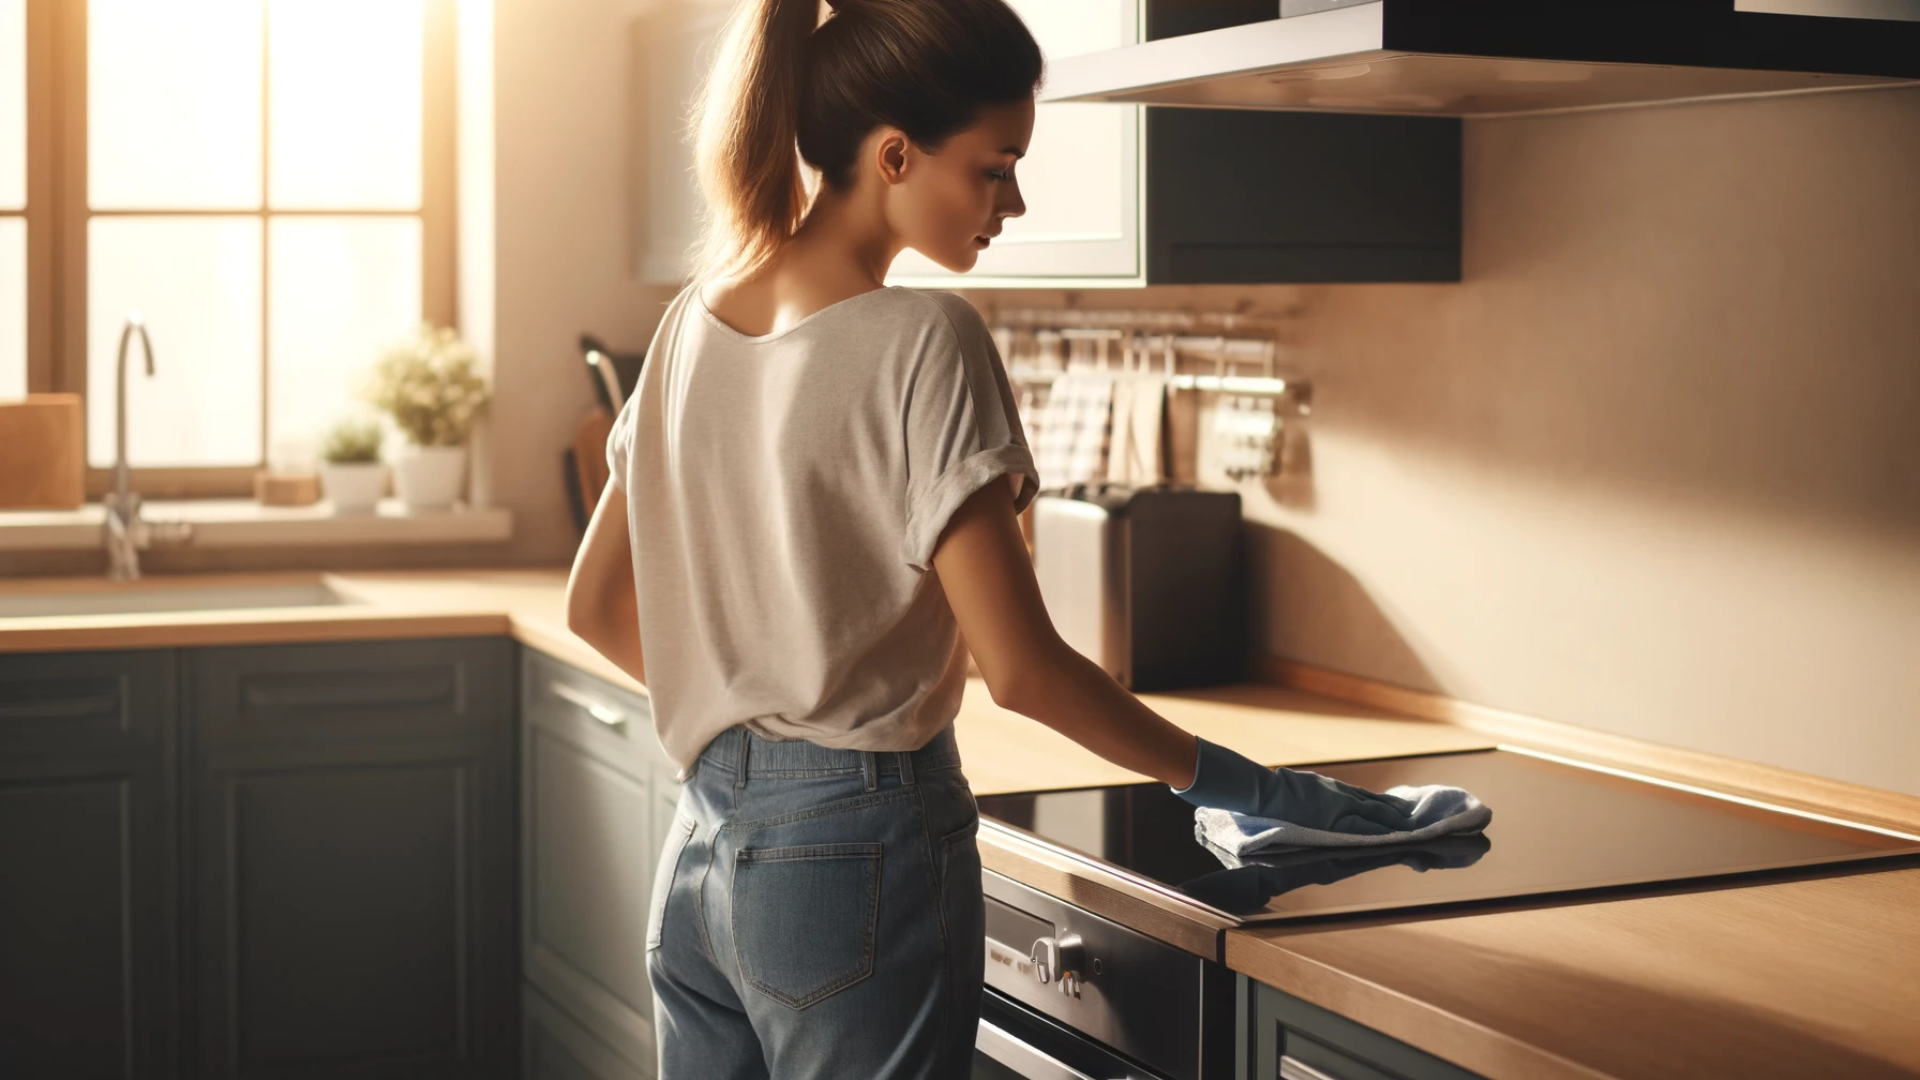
126 532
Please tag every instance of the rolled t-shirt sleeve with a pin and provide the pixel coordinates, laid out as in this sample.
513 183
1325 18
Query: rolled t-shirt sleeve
962 428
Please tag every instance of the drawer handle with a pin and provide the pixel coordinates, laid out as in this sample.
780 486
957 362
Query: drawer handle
59 708
600 711
1292 1068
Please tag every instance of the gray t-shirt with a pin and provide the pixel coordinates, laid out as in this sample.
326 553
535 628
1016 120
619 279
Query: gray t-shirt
784 496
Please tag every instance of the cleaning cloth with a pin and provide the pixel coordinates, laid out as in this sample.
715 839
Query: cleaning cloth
1430 811
1246 885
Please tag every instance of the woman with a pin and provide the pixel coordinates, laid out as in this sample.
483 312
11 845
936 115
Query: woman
807 526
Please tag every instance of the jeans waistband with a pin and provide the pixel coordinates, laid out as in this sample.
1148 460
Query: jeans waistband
796 758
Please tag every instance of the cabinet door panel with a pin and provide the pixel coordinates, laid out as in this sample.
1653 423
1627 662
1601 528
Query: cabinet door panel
595 799
88 936
670 46
1080 178
591 872
353 853
86 963
339 920
556 1048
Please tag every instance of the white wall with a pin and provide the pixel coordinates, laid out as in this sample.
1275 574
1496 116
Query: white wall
561 249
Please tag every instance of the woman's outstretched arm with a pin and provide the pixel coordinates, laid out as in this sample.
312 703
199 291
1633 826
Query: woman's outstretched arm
983 564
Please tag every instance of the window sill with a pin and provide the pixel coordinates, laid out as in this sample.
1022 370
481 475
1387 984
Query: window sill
244 523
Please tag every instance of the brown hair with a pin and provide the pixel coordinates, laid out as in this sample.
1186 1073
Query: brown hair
786 88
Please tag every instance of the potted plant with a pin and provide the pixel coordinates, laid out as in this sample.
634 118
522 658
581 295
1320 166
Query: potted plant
429 384
352 476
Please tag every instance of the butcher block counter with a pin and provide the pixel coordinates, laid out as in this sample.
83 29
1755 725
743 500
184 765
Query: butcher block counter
1807 976
1002 751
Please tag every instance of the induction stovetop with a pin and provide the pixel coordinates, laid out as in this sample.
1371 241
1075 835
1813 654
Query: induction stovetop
1558 826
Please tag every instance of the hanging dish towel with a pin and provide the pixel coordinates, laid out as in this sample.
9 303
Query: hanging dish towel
1438 811
1137 454
1075 428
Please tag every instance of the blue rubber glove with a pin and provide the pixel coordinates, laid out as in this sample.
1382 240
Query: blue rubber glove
1225 780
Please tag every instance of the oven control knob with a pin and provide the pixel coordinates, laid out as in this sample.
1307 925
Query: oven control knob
1061 960
1046 960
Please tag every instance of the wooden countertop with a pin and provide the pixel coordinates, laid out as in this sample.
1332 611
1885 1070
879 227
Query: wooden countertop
1802 978
1003 751
1815 976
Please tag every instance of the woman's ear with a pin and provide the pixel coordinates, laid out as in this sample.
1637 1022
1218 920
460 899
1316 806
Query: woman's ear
892 154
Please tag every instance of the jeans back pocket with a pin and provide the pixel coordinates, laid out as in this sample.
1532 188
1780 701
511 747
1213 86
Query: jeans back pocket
804 918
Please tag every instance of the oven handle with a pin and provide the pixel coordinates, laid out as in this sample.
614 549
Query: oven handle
1021 1058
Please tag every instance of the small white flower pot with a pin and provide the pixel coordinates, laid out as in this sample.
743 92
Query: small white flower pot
354 487
429 477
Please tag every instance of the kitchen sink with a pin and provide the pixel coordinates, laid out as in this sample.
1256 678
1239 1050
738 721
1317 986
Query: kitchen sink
143 596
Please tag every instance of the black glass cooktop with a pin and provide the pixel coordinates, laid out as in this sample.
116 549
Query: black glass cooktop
1557 827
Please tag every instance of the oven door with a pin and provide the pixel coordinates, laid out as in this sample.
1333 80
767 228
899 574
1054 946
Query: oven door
1017 1043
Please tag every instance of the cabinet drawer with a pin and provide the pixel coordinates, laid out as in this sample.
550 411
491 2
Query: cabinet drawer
298 693
95 702
606 719
1294 1039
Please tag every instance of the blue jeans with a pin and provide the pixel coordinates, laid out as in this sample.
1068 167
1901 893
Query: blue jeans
817 914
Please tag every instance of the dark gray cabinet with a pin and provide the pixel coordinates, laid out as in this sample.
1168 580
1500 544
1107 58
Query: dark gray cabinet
89 942
597 797
1247 196
352 850
1292 1039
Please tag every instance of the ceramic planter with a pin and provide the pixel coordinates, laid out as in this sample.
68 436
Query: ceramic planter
354 487
429 477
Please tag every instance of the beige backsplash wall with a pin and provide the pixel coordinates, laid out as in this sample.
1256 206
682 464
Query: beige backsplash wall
1654 467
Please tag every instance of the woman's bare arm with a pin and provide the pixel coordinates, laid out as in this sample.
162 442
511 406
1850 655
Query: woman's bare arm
602 609
983 564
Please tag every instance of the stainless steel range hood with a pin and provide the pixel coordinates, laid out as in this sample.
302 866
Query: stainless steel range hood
1506 57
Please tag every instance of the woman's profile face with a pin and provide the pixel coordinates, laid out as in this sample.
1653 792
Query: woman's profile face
948 204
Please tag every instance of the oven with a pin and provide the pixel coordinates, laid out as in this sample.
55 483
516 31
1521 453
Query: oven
1073 996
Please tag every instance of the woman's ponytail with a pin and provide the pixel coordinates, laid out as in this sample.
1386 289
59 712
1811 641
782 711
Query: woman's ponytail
782 92
745 152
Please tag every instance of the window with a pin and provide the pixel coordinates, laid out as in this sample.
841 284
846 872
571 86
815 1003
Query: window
13 199
268 183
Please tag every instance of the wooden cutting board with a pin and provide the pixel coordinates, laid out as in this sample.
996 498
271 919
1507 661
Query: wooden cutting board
44 463
590 455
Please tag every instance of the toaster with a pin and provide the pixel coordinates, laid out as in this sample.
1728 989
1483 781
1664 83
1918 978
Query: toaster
1149 582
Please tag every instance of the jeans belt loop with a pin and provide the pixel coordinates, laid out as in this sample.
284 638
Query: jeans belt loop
870 769
740 777
906 767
